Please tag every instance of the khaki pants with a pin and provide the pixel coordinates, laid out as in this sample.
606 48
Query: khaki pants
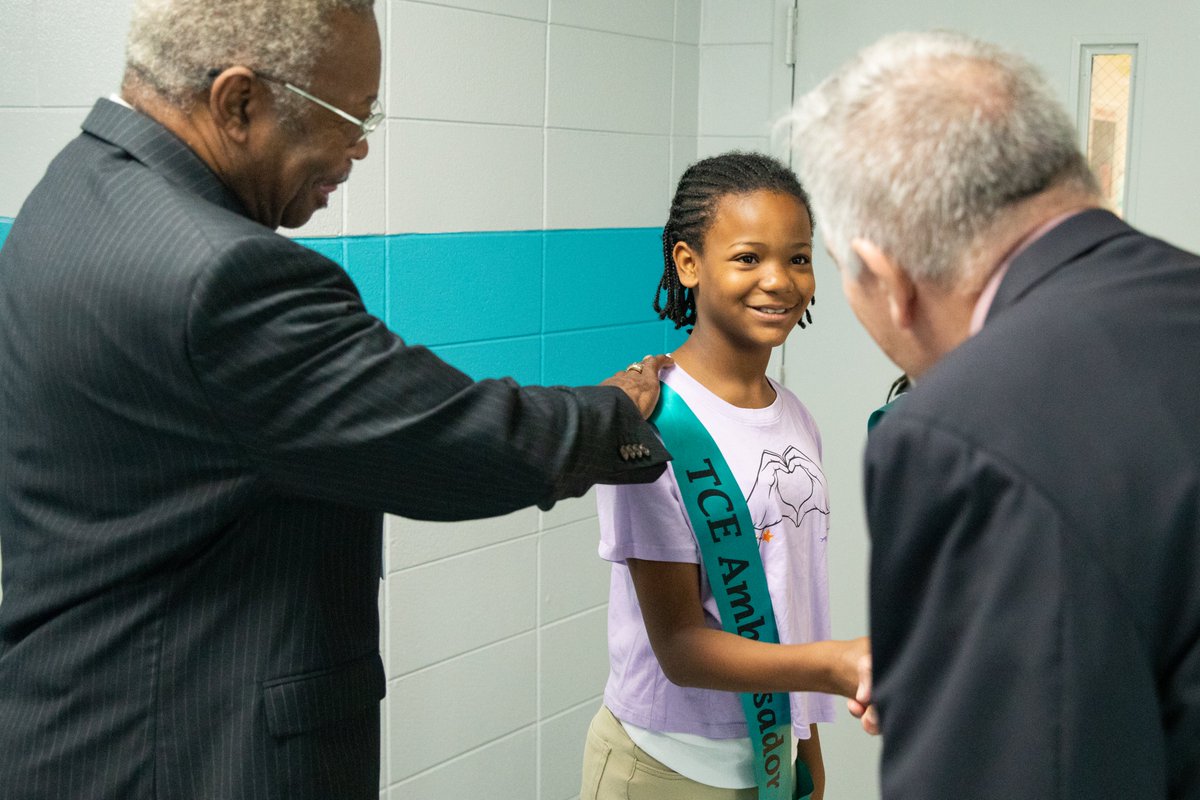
614 768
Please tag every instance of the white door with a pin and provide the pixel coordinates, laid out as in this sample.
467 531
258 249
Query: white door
837 370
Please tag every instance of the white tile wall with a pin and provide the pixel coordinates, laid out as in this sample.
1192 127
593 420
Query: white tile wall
572 510
492 182
526 9
687 21
634 17
19 54
573 578
31 138
683 153
76 59
685 93
574 663
737 21
466 66
506 768
584 94
464 589
462 704
412 542
605 180
736 96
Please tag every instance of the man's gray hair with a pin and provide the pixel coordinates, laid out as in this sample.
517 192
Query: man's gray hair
173 44
922 142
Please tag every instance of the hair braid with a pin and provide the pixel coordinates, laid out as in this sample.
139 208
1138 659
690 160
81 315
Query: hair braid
693 209
680 306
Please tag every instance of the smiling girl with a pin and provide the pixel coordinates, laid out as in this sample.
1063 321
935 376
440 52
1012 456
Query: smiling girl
704 638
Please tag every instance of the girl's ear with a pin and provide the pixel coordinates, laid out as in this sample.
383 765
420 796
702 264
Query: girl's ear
687 265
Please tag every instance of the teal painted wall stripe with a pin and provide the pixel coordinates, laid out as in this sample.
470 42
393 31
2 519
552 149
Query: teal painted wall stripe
448 288
597 278
549 307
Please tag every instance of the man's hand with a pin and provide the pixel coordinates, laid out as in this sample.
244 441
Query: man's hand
860 705
640 381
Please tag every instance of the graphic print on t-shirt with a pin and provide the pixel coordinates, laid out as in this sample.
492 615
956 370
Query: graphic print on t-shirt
795 487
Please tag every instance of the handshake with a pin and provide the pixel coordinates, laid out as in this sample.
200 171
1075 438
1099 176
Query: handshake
858 655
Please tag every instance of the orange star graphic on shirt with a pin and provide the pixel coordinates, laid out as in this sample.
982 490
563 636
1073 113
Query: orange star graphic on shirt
767 535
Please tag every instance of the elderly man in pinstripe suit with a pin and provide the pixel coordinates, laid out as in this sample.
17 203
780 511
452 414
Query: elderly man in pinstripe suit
201 426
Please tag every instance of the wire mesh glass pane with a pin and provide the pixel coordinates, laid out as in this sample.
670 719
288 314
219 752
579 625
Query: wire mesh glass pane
1108 123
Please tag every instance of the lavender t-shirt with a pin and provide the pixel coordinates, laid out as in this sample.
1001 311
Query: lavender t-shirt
775 454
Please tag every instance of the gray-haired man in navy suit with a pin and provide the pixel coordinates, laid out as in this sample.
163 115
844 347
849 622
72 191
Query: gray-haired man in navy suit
201 426
1034 503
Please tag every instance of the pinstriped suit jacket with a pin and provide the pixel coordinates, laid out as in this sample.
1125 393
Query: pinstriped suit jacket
200 427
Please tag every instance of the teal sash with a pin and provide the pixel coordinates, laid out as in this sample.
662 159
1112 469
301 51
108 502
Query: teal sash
878 413
729 550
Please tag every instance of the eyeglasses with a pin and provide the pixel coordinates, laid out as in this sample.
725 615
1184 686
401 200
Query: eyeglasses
366 126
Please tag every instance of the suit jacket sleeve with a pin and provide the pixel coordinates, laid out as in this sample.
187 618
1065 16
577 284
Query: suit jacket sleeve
985 681
326 401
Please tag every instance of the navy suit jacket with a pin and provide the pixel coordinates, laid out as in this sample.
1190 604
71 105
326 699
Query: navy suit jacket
1034 508
200 428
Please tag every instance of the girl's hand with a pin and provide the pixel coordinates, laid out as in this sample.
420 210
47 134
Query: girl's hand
852 671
